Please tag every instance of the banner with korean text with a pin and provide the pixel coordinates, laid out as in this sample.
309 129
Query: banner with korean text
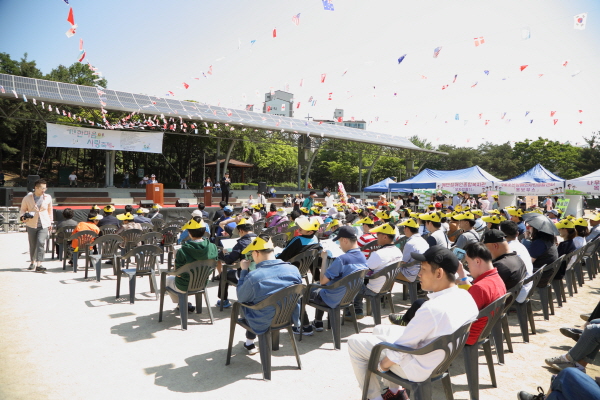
103 139
465 187
531 188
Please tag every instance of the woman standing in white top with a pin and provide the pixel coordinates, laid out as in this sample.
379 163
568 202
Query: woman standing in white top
329 200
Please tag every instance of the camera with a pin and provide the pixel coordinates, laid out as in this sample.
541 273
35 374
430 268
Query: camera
27 215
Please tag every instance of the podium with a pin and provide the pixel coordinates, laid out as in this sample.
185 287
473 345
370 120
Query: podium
154 192
208 196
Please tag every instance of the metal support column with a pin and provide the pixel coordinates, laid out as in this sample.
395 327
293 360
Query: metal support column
310 163
218 177
107 170
371 169
227 155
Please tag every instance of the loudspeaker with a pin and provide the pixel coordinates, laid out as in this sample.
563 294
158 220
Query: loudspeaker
181 204
262 187
31 182
6 197
146 203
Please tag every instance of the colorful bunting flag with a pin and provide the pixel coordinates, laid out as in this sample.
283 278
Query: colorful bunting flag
475 84
275 32
330 95
455 76
487 72
555 121
436 51
70 18
552 113
323 76
252 42
296 19
479 41
328 5
525 33
185 85
523 67
298 105
580 20
401 58
301 82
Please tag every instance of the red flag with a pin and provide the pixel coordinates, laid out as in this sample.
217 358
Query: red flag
552 113
80 44
323 76
210 70
268 108
330 94
298 105
340 119
580 122
185 85
275 32
487 121
555 121
70 18
580 111
479 41
523 67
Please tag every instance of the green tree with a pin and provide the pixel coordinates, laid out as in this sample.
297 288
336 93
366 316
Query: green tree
77 73
557 157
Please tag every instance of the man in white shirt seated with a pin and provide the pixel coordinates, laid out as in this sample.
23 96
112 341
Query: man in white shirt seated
382 257
415 244
511 230
447 310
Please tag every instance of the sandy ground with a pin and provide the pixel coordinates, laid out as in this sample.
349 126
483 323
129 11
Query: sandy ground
66 337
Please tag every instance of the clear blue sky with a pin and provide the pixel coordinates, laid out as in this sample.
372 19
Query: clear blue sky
153 46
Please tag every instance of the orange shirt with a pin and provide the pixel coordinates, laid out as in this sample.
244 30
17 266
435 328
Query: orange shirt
84 226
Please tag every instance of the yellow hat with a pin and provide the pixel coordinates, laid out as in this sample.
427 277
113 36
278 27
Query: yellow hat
458 192
502 218
109 208
465 215
595 217
334 222
565 224
125 217
431 207
308 224
497 212
281 209
245 221
315 209
258 244
366 220
358 210
466 208
95 207
386 228
381 214
494 219
370 207
515 213
580 222
433 217
95 217
304 210
340 209
193 224
318 204
156 206
257 206
495 196
458 207
570 217
409 222
141 211
477 212
413 214
509 207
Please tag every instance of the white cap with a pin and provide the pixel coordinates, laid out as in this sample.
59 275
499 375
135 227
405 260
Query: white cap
197 213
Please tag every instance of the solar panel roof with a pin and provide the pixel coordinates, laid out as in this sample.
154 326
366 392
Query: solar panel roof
86 96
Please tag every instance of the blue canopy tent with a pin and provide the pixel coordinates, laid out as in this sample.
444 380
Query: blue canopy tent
383 187
471 180
535 182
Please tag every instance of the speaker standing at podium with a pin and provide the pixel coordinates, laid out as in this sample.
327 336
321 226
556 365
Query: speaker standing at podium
225 184
36 213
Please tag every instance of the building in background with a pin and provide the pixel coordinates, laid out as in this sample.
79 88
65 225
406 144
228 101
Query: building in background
279 103
338 119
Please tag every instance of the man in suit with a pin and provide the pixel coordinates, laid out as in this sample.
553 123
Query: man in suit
225 184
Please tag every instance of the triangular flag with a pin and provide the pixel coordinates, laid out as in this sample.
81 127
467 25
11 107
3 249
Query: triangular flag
555 121
401 58
185 85
70 18
275 32
552 113
523 67
323 76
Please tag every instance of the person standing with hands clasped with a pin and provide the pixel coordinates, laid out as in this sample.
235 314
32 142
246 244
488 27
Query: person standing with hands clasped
36 212
225 184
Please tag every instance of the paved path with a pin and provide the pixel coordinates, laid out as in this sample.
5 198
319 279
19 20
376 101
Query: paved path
63 337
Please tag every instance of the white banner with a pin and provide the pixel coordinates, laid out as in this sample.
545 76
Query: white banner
103 139
465 187
531 188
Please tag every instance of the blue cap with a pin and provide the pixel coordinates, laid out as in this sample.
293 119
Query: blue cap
228 208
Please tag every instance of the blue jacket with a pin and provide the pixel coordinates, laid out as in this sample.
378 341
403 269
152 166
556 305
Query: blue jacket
352 261
269 277
297 245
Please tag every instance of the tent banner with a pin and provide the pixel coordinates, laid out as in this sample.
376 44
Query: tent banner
465 187
583 187
102 139
531 188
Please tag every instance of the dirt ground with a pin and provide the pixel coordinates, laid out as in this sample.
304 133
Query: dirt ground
66 337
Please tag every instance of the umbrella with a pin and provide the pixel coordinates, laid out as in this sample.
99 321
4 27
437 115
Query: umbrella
541 223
